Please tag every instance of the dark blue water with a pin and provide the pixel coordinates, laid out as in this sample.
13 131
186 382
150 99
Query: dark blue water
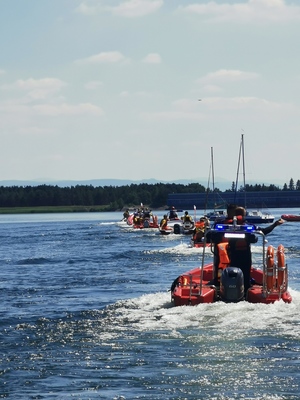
85 313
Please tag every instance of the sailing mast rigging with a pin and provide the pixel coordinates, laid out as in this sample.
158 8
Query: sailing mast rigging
211 171
241 155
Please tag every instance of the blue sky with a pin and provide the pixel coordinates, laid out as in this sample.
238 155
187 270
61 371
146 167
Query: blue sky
95 89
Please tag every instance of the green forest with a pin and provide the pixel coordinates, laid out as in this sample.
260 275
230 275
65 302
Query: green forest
111 198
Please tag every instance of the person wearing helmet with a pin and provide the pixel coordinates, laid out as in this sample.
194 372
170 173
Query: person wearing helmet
187 218
173 214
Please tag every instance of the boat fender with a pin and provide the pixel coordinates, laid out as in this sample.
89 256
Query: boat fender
224 258
270 268
281 265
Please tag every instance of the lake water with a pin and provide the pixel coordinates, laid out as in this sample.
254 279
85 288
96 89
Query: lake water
85 313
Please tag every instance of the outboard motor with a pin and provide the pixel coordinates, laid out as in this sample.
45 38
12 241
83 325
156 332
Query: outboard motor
232 285
177 229
146 223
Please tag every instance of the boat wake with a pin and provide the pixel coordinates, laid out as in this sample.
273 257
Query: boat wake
155 313
182 248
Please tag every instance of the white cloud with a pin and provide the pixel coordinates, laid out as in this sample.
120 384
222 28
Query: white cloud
92 85
106 57
45 83
192 110
136 8
127 9
227 75
41 99
243 103
212 88
250 11
20 110
125 93
86 9
172 116
68 109
143 94
152 58
36 89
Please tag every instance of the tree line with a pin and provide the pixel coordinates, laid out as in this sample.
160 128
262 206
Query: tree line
112 197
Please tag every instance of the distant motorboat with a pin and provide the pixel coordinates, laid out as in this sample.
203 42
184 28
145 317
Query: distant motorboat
257 217
215 215
291 217
176 226
252 217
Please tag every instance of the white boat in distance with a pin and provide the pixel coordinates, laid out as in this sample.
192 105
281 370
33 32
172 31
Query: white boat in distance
257 217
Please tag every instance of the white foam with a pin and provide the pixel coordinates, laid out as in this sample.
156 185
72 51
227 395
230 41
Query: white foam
182 248
155 312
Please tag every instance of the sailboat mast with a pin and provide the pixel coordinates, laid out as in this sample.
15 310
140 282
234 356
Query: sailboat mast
211 171
237 173
241 154
244 172
213 174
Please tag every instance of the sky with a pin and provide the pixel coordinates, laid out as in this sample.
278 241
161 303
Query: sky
140 89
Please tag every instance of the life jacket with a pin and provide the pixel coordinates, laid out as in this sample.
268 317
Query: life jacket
200 226
163 223
187 218
224 248
223 255
224 260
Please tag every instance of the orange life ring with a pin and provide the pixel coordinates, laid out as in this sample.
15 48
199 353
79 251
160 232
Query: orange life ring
281 266
270 268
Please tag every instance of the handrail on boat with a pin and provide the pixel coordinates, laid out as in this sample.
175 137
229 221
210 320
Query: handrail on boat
202 263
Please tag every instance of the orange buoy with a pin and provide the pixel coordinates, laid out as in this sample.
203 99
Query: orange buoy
270 268
281 266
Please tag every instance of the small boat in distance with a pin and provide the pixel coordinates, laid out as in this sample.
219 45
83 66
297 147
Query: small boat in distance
291 217
146 223
252 217
257 217
215 215
174 225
